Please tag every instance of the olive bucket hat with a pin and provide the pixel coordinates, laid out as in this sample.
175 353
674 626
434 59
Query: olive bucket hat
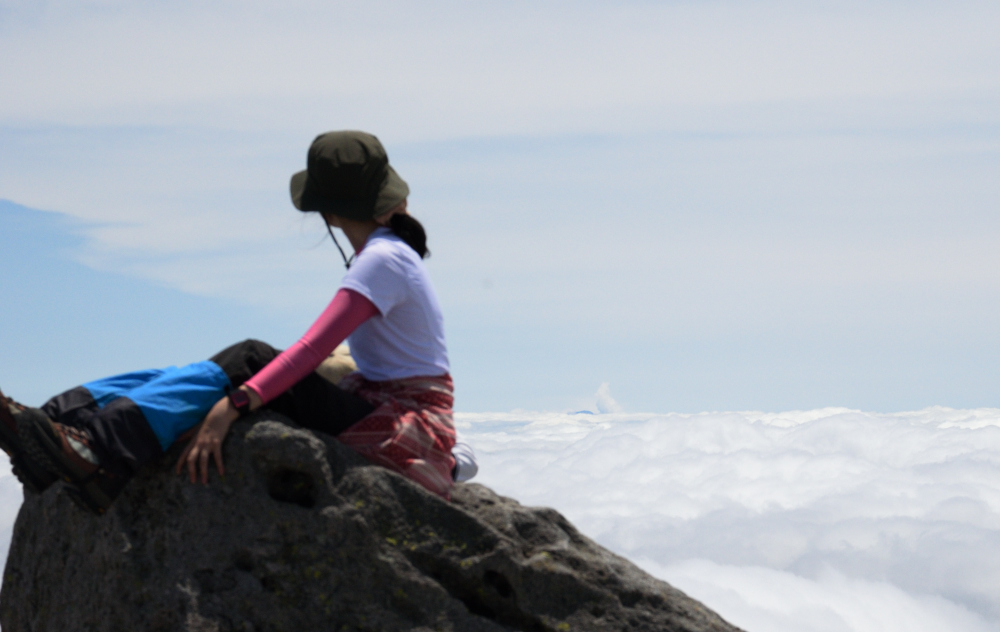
348 174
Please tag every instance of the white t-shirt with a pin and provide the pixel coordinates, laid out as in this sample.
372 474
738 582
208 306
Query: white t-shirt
407 340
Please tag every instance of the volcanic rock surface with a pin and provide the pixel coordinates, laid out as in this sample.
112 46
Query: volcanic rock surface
302 534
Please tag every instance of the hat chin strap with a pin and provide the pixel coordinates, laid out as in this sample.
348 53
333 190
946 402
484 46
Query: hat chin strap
347 262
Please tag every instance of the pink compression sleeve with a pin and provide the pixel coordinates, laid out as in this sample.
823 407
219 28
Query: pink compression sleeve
346 311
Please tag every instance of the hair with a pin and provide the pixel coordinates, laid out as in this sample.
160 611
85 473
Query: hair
411 231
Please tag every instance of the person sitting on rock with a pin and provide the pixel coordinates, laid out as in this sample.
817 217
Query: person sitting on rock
396 409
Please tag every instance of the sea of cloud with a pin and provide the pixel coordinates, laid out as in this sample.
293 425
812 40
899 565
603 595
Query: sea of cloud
806 521
830 520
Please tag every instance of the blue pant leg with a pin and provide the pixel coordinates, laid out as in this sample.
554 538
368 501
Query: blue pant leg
134 417
76 406
179 398
109 388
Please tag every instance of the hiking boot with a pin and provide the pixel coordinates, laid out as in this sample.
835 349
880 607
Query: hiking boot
33 475
67 452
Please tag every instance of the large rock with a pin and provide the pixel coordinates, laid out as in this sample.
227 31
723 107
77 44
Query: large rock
302 534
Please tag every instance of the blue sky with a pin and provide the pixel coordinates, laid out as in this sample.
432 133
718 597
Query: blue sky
707 205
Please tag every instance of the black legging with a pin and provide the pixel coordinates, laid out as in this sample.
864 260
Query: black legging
313 402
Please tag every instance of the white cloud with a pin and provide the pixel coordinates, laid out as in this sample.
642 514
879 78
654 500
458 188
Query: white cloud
447 69
768 600
184 121
605 402
795 516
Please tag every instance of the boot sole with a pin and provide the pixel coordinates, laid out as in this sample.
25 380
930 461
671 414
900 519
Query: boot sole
34 477
42 443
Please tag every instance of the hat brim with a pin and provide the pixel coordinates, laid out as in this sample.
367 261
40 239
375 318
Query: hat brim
298 188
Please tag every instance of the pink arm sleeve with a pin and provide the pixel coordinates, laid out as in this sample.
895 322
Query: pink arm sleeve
346 311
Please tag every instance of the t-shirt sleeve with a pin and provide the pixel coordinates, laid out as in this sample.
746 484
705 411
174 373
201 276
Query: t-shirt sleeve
379 275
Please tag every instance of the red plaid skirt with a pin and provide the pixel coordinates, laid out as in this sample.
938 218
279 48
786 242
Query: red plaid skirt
411 429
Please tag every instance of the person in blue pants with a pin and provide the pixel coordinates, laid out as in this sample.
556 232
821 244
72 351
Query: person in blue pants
116 425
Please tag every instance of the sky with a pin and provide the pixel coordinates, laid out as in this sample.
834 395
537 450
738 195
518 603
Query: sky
647 210
707 205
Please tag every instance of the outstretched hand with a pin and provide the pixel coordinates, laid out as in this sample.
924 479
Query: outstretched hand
207 442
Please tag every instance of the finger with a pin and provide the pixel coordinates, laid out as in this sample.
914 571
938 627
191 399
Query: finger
217 452
193 464
184 455
203 463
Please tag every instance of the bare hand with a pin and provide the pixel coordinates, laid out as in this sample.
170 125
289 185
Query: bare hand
207 442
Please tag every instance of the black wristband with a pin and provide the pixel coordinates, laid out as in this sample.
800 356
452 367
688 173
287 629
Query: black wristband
240 401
